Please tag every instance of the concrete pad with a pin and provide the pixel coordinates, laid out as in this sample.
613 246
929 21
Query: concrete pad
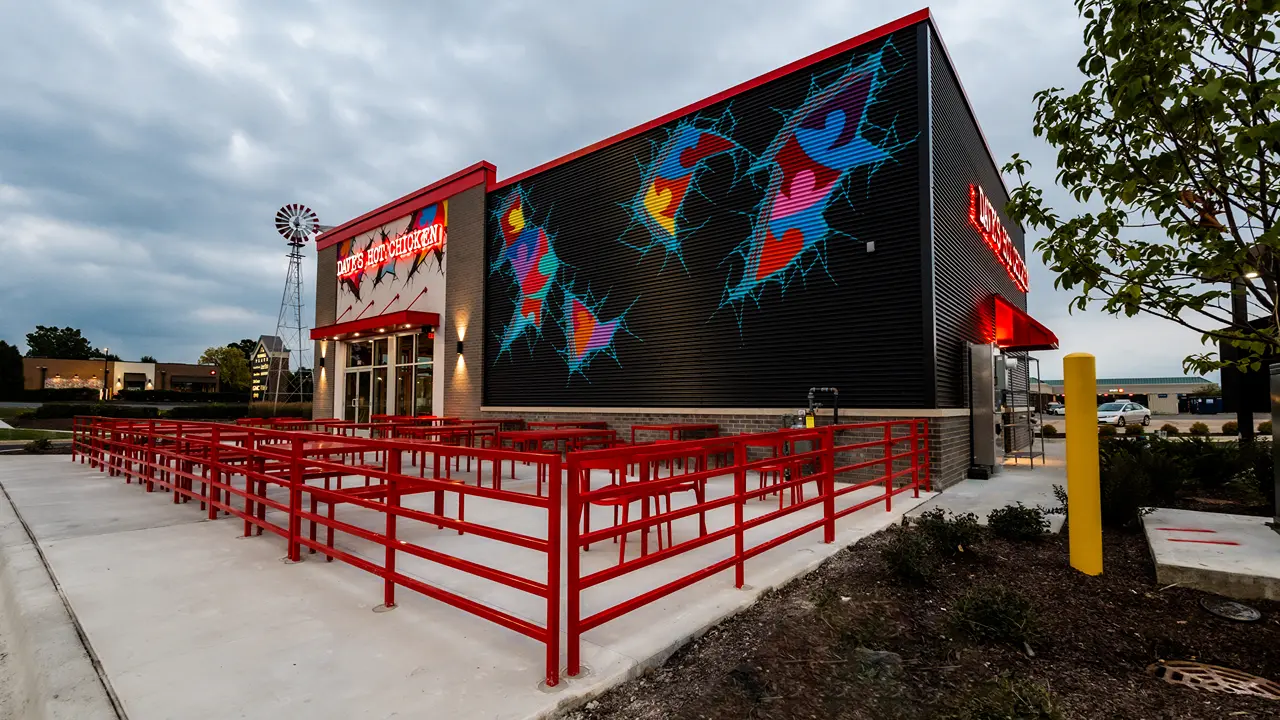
191 622
1233 555
1032 485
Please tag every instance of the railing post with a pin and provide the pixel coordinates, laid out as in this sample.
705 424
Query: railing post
573 590
393 503
295 500
739 490
553 570
215 473
150 457
915 458
888 467
828 484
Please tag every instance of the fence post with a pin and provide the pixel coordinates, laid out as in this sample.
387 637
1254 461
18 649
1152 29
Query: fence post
150 461
553 570
215 473
888 467
295 500
915 458
393 503
739 489
572 589
828 481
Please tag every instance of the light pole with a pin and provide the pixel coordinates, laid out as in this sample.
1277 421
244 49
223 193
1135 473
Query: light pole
1240 318
106 381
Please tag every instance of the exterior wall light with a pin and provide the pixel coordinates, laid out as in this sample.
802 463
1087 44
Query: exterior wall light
459 347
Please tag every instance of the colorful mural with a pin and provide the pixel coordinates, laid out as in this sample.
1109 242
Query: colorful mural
586 334
527 256
668 179
821 143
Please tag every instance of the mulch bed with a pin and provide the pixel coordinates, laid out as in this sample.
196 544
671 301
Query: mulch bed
792 655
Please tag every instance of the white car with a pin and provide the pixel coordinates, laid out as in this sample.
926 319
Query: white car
1123 413
1056 409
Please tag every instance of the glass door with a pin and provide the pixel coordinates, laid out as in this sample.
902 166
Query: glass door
358 396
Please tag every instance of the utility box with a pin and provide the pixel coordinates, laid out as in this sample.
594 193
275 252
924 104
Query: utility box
984 408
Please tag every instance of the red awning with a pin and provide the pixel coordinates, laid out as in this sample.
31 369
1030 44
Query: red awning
1016 330
391 322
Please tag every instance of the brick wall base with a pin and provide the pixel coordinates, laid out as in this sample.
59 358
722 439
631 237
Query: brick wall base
948 436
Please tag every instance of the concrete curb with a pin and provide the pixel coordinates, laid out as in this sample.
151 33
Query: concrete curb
54 676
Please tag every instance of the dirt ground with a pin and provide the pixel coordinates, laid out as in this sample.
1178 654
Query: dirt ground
796 653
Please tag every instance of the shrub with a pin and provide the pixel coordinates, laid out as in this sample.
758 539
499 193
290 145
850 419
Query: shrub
1264 427
1107 430
1018 522
950 534
1049 431
212 411
1133 430
182 396
910 557
102 409
60 395
36 447
1170 429
995 614
1200 429
266 409
1230 427
1009 700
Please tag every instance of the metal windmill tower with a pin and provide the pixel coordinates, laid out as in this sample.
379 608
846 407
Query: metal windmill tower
297 224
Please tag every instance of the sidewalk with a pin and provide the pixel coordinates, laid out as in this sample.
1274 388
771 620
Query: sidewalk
1032 486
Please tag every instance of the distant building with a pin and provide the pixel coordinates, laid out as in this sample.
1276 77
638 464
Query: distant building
269 367
1161 394
59 373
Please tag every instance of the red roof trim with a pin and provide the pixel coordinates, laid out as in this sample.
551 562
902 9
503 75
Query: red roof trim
481 172
400 320
800 64
1016 330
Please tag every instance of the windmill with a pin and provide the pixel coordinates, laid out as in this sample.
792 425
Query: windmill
297 224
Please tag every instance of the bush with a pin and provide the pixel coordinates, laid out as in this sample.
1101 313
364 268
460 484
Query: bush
214 411
1231 427
55 411
1132 430
60 395
1018 522
910 557
1107 430
38 446
948 533
266 409
1049 431
1009 700
1170 429
1200 430
1264 427
995 614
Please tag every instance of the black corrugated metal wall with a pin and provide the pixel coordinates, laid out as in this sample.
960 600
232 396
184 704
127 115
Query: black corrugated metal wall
689 336
966 272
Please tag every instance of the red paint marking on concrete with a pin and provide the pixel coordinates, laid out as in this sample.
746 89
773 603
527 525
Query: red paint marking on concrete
1187 530
1205 542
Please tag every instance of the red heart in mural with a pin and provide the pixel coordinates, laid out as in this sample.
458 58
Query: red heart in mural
776 253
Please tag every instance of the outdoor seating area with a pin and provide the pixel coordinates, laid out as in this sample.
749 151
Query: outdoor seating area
486 515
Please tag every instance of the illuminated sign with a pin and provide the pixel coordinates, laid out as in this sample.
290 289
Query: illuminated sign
412 242
983 217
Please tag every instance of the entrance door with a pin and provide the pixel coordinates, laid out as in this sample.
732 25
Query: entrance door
358 396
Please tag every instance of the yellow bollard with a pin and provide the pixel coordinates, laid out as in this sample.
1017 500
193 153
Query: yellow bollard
1084 501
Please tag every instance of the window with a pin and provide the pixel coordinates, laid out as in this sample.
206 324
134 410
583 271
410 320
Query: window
361 354
414 373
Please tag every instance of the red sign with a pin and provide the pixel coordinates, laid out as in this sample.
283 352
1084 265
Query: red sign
418 240
983 217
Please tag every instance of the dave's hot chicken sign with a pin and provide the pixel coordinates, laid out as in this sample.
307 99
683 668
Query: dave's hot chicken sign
983 217
412 242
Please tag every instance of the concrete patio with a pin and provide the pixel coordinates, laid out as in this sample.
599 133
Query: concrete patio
1236 556
1015 482
190 620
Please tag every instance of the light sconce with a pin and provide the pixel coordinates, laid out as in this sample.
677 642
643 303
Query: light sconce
459 347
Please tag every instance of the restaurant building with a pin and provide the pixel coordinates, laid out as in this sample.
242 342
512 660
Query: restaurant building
41 373
835 223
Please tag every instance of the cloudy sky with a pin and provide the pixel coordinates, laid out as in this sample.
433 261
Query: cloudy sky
145 146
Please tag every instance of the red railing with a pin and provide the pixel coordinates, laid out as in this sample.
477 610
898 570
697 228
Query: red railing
290 483
202 461
716 472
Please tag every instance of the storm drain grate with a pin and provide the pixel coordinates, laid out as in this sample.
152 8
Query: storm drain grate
1214 678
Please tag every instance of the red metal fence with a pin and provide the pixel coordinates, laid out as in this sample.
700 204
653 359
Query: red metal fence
690 495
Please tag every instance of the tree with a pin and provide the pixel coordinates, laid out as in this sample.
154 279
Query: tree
55 342
146 359
232 366
1211 390
247 346
1173 137
11 380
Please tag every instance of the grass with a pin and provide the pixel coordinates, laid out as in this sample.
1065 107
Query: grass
27 434
8 412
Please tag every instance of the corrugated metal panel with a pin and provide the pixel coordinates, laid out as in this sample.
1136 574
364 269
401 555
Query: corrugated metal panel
851 319
966 272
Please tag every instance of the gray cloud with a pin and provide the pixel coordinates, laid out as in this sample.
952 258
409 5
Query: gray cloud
145 148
